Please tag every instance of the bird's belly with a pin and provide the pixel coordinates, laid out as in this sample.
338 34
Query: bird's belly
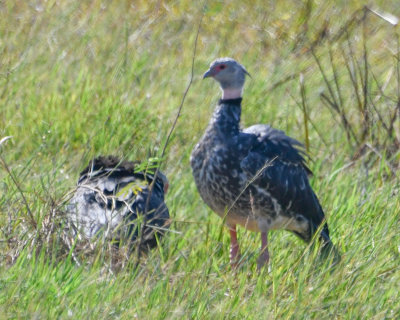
229 196
249 222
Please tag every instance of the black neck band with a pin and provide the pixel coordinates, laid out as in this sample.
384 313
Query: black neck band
236 101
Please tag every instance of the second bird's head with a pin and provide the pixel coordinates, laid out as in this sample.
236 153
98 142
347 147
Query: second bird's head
228 72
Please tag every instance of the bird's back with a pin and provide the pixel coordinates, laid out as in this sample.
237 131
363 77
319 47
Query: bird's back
111 200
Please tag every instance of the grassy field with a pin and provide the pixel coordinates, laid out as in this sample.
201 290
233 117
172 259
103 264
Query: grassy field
84 78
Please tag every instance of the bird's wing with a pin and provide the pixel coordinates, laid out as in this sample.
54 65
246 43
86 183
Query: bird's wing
276 163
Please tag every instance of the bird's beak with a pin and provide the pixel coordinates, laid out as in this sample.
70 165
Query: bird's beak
207 74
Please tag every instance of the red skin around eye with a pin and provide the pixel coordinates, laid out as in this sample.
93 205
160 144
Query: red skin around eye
218 68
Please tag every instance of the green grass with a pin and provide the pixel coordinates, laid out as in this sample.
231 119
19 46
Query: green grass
83 78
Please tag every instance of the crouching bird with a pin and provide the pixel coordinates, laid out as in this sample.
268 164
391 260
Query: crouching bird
255 177
113 199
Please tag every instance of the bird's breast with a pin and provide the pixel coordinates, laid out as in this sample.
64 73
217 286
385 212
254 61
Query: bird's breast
218 176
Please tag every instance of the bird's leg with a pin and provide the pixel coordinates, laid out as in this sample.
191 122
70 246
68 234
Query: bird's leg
235 252
263 259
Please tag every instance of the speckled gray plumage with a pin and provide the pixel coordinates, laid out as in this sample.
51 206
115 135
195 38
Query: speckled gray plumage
256 177
109 198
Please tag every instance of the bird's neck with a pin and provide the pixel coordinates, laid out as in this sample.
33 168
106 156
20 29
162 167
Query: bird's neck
231 93
226 118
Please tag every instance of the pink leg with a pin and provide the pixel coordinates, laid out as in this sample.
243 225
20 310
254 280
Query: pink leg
263 259
235 252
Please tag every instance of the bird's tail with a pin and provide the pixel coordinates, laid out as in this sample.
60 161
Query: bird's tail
328 249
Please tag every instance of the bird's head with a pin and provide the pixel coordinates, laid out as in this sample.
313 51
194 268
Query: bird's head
231 76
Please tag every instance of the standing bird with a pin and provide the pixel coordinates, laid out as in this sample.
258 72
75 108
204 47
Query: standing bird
255 177
112 196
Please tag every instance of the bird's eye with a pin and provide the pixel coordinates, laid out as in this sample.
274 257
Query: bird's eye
222 66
